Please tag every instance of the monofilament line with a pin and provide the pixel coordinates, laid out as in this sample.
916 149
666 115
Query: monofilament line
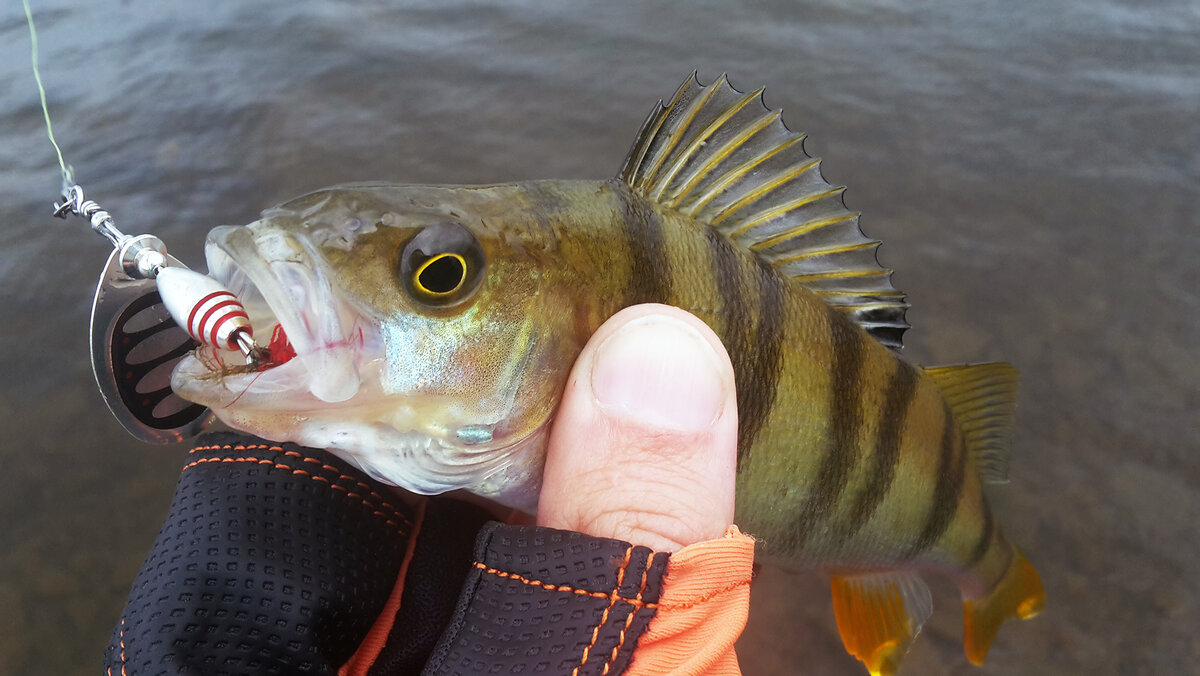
67 175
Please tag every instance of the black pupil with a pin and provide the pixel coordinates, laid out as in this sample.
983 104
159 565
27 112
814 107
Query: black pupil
443 275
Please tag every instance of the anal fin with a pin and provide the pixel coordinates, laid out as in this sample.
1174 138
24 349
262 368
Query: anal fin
879 615
1018 594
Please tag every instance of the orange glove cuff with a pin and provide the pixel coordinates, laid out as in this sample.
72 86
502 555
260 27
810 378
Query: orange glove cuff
702 611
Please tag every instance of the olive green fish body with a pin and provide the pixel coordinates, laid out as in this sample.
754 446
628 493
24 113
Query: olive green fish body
447 319
848 454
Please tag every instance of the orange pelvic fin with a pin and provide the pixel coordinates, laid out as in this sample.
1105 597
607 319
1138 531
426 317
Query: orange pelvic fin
879 615
1019 594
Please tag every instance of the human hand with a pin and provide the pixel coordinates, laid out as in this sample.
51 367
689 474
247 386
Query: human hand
642 452
644 444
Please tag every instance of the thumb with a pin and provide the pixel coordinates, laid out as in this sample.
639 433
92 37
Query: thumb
644 445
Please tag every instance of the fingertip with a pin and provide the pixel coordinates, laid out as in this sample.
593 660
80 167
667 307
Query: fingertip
644 443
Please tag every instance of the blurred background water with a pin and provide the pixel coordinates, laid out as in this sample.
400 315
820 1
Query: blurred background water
1032 169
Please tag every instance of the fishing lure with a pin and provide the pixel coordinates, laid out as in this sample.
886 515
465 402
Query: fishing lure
150 311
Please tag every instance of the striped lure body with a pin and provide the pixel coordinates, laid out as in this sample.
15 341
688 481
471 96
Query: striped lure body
434 328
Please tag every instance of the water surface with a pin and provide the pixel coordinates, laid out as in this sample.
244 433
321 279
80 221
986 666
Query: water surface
1032 171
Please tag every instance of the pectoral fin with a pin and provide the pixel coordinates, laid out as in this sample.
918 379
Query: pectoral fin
879 615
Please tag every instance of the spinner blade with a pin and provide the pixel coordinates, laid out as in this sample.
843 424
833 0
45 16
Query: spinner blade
135 347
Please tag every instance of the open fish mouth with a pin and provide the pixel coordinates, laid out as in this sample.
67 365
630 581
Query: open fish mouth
314 337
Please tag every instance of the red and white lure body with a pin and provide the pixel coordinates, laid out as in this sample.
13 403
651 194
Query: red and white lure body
208 311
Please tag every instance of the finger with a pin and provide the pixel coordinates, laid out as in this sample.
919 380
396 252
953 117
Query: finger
644 445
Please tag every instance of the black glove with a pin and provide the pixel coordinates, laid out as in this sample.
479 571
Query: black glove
277 559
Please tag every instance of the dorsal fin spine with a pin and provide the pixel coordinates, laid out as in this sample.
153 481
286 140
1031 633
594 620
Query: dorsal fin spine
767 186
637 154
673 141
720 156
804 228
866 306
836 275
774 212
824 252
738 172
700 140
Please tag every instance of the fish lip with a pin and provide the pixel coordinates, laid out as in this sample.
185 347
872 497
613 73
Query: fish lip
271 270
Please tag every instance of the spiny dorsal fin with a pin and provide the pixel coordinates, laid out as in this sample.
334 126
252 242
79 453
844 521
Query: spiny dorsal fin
982 398
727 160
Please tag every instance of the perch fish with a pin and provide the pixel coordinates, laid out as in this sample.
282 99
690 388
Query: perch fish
425 333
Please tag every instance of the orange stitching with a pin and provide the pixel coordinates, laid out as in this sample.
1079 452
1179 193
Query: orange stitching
629 618
604 618
552 587
702 599
301 472
294 454
239 447
122 643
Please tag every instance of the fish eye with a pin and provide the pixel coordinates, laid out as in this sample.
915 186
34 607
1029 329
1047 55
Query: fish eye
441 275
441 265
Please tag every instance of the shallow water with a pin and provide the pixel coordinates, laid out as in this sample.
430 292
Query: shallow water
1032 172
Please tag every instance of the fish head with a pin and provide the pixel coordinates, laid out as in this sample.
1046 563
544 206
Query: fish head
415 332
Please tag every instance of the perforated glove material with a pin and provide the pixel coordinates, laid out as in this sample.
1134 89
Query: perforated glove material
279 559
545 601
274 559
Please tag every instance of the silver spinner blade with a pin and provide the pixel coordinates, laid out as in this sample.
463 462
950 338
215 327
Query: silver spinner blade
135 346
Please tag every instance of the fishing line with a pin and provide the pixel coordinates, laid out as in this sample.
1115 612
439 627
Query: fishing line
68 173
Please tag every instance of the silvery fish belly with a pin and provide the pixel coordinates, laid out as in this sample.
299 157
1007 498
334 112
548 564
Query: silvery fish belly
425 333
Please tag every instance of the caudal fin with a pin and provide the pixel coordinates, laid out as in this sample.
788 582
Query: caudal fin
1019 594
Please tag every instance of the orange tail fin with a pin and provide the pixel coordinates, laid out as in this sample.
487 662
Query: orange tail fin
1019 594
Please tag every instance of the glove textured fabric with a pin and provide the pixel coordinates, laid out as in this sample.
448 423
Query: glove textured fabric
540 600
273 559
278 559
441 559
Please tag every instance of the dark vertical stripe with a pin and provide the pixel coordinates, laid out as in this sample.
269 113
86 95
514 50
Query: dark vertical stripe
848 344
985 536
951 473
761 381
754 347
649 278
886 455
